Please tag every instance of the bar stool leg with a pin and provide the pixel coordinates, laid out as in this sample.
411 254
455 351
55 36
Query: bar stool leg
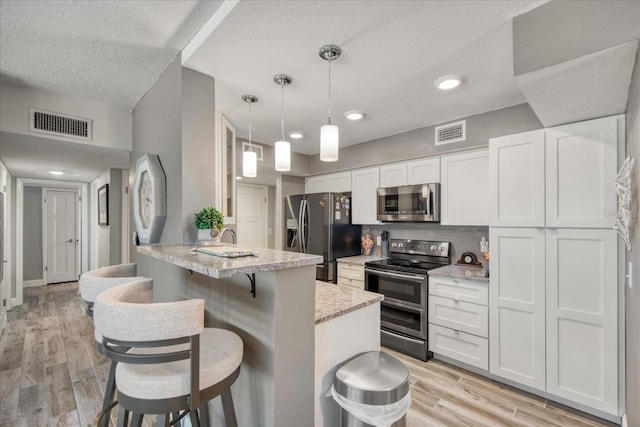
195 421
162 420
227 407
204 414
123 417
109 394
136 420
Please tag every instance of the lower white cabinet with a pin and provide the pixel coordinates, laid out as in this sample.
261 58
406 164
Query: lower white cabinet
351 274
554 312
459 320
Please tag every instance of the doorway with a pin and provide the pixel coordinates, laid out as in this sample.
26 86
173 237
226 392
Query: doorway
60 235
252 215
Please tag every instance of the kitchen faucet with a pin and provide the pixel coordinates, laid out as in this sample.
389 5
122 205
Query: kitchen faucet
233 234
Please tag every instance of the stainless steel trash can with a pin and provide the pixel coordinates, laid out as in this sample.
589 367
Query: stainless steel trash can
374 378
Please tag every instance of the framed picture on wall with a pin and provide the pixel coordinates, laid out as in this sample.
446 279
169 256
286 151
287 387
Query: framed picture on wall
103 205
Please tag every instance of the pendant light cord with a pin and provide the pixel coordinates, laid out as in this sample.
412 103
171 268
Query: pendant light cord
282 112
329 91
250 117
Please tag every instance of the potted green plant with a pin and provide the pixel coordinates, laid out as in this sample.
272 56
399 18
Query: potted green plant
208 222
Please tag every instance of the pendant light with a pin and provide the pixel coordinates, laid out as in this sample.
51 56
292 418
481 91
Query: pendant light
329 133
249 158
282 147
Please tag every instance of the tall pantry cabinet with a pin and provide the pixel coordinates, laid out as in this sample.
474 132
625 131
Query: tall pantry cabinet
553 295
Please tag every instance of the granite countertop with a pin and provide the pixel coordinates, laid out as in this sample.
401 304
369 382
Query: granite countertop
460 272
336 300
359 259
218 267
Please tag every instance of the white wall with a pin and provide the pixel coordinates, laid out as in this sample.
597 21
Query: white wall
111 124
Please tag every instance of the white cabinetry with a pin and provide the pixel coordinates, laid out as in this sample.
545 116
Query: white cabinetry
393 175
459 320
582 317
517 301
554 261
364 196
423 171
516 180
581 164
350 274
576 191
339 182
465 189
316 184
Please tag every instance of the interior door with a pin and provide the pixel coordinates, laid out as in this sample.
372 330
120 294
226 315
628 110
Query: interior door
252 215
2 282
61 236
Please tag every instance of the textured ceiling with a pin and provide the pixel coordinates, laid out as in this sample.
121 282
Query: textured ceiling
393 51
110 51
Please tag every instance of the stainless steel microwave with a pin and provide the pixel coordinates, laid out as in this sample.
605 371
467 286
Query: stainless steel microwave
409 203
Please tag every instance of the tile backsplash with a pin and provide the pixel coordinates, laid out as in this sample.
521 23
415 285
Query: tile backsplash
462 238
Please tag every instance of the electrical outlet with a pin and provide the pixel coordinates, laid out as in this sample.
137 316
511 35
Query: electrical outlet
379 241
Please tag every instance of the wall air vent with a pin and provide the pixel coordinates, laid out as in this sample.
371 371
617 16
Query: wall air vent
452 132
62 125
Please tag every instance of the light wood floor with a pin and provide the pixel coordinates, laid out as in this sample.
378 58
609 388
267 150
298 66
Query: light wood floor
52 375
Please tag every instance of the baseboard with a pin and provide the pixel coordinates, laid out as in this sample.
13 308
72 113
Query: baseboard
32 283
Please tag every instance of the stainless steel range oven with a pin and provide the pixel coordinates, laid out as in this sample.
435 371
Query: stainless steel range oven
402 279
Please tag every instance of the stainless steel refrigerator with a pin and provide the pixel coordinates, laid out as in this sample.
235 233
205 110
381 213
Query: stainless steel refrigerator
320 224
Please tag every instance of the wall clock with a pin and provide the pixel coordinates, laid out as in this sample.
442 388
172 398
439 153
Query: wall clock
149 199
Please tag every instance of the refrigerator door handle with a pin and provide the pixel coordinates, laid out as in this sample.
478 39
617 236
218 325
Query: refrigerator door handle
301 225
306 226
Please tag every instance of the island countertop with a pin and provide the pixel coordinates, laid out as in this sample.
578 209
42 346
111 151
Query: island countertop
219 267
336 300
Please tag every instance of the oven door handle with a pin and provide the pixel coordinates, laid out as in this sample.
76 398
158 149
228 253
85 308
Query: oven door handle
413 277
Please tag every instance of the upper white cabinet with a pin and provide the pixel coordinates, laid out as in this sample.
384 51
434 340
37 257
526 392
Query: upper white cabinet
423 171
364 196
516 179
393 175
316 184
339 182
581 163
556 177
465 188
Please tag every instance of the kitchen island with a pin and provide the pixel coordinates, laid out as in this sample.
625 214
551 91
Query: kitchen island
279 327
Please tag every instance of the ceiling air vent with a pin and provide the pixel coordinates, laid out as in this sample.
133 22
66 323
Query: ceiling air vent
63 125
452 132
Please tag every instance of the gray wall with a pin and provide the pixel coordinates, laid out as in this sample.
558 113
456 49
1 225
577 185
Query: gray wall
198 142
32 234
571 29
115 216
420 142
633 295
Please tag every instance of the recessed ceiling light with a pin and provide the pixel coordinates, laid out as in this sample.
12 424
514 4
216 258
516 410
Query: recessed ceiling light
296 134
354 114
56 173
450 81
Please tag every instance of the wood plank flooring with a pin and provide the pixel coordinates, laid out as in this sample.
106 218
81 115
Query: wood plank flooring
52 375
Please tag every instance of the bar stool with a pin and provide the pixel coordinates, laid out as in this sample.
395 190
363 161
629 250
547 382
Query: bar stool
154 376
91 284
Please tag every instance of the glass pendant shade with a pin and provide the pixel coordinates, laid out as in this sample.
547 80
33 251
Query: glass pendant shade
329 135
249 164
283 156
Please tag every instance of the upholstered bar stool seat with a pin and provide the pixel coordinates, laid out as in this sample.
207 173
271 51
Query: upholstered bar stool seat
168 363
98 280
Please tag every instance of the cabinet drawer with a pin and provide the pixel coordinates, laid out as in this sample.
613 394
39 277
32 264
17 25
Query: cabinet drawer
460 346
462 290
351 271
351 282
459 315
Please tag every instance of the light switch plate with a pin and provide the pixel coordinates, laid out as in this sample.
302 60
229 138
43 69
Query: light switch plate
379 241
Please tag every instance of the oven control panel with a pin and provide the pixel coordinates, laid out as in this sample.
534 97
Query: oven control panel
420 247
